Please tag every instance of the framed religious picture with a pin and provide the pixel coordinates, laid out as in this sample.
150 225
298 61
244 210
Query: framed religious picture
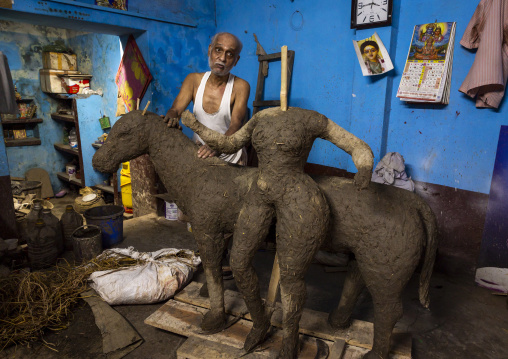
366 14
133 76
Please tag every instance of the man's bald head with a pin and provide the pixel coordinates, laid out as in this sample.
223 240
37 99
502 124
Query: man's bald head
218 35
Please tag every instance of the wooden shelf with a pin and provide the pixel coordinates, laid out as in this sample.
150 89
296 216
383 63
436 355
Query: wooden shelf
65 177
30 141
104 188
21 121
60 117
66 148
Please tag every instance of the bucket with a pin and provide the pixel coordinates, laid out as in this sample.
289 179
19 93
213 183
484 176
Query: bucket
110 220
87 242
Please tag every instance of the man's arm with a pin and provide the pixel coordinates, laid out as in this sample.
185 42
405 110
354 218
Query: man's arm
240 106
181 101
242 91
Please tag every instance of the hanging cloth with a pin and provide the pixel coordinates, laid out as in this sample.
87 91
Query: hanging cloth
488 32
7 97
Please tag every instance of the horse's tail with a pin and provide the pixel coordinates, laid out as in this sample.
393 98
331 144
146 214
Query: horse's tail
430 223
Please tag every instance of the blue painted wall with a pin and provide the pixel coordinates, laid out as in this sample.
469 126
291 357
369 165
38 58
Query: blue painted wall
452 145
172 36
96 54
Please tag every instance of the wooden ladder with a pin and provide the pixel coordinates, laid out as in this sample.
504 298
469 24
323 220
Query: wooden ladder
258 98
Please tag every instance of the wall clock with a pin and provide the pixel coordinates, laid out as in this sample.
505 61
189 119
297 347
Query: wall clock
370 13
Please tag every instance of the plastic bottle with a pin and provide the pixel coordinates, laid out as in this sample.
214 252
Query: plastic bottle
28 224
73 138
42 250
52 221
69 221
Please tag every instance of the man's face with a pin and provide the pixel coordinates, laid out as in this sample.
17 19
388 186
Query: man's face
370 52
223 55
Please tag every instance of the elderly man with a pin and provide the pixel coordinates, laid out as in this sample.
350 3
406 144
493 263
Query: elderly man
220 98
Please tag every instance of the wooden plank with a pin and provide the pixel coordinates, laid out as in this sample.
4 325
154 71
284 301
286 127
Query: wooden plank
185 319
29 141
337 349
268 103
65 177
62 117
197 348
66 148
313 323
20 121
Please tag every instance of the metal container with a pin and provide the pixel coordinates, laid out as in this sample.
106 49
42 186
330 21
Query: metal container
87 242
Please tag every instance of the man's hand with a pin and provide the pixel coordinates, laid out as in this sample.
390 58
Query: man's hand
205 151
172 120
362 178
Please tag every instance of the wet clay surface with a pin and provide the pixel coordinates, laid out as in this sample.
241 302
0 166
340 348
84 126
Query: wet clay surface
386 228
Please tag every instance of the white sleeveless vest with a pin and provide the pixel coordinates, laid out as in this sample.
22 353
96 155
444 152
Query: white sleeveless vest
220 120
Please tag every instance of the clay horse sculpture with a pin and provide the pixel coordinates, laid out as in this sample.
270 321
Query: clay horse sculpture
387 229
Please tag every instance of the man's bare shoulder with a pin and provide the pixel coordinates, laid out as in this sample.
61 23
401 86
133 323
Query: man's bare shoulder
241 85
195 77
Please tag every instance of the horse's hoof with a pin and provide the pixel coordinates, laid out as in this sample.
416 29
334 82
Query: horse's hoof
338 323
290 349
256 336
203 292
213 322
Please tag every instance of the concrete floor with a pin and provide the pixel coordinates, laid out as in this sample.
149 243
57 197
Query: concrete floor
464 321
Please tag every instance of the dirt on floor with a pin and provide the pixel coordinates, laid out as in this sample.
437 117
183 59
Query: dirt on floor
464 320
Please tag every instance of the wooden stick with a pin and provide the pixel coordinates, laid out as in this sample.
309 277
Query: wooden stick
148 103
284 79
273 288
137 104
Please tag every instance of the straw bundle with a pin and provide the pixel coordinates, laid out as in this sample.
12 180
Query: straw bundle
33 302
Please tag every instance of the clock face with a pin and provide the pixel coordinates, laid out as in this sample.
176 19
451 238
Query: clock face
372 12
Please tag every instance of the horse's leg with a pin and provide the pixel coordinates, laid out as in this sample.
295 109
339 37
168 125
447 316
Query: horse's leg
302 224
251 229
211 246
340 317
387 310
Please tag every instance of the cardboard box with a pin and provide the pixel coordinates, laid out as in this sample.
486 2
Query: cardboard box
59 61
50 82
75 83
62 81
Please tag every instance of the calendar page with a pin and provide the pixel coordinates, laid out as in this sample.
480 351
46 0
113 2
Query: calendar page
427 72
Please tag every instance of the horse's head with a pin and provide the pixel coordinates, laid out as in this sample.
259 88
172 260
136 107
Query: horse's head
128 139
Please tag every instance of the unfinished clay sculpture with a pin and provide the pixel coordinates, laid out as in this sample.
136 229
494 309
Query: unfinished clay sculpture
283 140
388 229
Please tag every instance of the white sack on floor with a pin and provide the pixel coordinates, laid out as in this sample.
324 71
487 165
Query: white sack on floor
158 276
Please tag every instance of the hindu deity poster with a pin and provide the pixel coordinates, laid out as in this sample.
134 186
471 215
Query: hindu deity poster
133 76
373 56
